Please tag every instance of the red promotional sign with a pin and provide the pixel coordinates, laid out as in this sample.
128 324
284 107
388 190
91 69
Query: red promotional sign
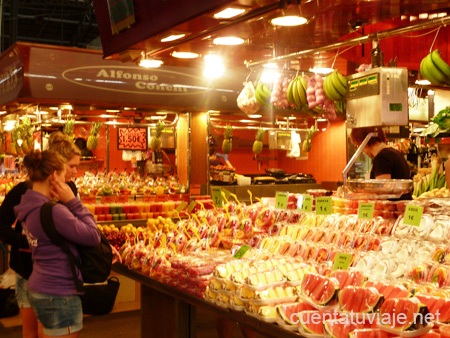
132 138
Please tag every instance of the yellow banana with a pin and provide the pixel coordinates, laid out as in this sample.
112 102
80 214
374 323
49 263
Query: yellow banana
436 76
342 79
258 94
302 90
440 63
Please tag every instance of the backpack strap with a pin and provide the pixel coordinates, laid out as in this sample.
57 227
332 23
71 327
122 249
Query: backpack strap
48 226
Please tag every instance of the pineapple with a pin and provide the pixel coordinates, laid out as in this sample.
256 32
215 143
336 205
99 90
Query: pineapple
155 141
68 128
92 140
258 144
227 140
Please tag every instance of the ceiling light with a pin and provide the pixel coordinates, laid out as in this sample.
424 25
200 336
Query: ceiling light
3 112
289 21
229 13
147 62
214 67
321 70
270 73
255 116
422 82
228 41
173 37
185 55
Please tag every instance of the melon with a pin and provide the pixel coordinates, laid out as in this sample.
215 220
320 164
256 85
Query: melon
289 312
368 333
321 290
337 328
439 307
389 290
359 299
346 277
403 314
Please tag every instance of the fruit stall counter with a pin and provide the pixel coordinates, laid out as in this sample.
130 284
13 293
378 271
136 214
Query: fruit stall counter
168 312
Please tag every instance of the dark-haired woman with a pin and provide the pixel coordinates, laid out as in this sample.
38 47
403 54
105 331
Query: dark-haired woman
52 293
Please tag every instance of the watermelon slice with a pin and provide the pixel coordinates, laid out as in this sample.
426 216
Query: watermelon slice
403 314
439 307
319 289
311 322
346 277
359 299
289 312
389 290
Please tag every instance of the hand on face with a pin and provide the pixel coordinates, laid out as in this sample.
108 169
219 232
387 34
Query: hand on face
59 189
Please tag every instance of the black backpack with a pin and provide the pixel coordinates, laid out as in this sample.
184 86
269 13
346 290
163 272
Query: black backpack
95 262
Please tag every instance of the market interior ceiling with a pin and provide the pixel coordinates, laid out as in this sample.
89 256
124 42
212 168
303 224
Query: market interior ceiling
330 23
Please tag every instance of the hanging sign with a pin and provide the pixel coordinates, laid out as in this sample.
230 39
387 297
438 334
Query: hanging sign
132 138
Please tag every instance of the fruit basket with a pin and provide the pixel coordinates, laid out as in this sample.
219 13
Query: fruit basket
378 188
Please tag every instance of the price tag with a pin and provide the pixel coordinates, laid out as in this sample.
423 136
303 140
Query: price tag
413 215
122 198
216 194
365 210
342 261
191 206
323 205
108 199
181 206
241 252
305 203
281 200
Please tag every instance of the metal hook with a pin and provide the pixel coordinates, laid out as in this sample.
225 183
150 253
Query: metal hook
434 40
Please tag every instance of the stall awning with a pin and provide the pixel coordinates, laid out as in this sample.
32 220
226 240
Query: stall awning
48 74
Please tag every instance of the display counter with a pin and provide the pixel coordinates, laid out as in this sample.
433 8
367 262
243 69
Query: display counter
167 312
265 190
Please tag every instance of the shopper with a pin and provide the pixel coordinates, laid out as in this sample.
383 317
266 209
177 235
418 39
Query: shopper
11 232
52 293
387 162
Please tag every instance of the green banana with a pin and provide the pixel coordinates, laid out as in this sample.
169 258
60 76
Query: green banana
258 95
343 81
303 84
330 90
436 77
296 94
289 93
440 63
340 88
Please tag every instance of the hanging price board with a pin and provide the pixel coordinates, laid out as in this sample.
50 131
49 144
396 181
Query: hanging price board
365 210
323 205
342 261
281 200
131 138
305 203
216 194
413 215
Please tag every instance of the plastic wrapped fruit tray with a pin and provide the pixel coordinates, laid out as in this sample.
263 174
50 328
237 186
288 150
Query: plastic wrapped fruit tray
378 189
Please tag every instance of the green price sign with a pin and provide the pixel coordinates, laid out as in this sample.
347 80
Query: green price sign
281 200
181 206
191 206
365 210
241 252
216 195
305 203
323 206
342 261
413 215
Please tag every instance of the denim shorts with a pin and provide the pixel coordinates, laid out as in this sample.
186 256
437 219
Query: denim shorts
22 292
59 315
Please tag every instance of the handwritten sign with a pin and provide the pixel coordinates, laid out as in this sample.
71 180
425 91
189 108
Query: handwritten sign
281 200
413 215
305 203
323 206
365 210
132 138
216 194
342 261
